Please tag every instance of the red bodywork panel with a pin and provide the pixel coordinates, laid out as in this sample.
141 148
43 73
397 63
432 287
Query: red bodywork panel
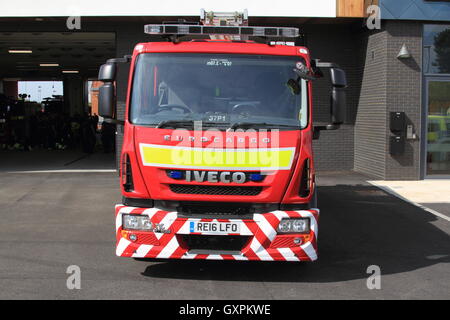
152 182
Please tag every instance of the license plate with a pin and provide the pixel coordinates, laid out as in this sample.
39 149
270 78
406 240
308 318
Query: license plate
214 227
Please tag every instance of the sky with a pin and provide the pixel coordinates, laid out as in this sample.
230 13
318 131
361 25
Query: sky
40 89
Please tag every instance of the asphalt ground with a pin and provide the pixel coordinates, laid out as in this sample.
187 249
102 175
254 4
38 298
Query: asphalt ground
42 160
50 221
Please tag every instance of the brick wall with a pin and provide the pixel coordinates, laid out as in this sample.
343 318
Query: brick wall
370 126
334 150
404 93
343 45
388 85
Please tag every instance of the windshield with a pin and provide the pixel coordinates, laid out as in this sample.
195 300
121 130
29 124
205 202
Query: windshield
223 89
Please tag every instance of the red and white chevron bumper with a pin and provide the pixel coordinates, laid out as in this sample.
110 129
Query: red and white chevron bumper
264 244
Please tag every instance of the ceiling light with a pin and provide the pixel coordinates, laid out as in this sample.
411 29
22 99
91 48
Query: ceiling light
20 51
49 64
70 71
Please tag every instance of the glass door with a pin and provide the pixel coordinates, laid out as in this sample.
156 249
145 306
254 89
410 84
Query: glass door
438 127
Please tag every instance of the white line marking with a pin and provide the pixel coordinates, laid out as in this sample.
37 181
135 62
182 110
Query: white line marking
310 251
288 254
142 251
388 190
169 249
121 246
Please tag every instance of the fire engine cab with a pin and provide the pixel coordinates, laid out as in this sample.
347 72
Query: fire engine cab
217 159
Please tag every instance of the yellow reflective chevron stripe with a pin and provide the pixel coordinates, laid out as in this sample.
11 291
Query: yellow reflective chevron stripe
209 158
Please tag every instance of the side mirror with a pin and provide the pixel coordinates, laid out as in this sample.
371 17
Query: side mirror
337 105
338 101
338 78
107 72
106 100
106 94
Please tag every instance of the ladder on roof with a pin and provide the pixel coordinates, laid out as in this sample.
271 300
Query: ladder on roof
212 18
235 19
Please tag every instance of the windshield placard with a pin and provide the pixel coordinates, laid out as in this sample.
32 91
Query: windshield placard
216 117
219 62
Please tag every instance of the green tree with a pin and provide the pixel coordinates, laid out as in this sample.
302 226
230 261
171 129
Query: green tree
442 49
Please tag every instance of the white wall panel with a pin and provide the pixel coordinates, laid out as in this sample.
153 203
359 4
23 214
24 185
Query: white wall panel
265 8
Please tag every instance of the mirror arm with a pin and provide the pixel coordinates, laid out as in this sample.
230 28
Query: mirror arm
304 75
114 121
318 129
327 127
319 64
125 59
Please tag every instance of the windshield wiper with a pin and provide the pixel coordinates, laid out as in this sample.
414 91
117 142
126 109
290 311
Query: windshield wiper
190 123
236 125
174 123
244 125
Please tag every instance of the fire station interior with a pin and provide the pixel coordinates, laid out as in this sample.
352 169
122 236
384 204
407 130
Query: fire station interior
48 100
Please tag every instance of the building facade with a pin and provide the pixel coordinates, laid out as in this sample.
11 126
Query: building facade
398 114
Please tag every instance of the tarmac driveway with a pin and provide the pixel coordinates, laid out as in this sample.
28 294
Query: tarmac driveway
50 221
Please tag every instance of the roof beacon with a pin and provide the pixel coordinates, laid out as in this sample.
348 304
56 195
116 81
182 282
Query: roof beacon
221 25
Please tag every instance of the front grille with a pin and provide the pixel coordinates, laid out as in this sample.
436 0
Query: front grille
222 243
215 190
248 174
216 210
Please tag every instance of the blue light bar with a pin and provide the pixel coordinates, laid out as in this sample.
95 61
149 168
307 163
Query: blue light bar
186 29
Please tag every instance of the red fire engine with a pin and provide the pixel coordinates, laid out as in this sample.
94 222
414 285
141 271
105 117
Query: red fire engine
217 159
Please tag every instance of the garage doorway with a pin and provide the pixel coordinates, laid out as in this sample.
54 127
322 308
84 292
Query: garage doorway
47 119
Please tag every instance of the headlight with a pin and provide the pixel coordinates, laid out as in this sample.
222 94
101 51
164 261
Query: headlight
300 225
136 222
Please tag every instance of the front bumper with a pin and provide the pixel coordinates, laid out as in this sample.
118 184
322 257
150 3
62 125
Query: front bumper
264 244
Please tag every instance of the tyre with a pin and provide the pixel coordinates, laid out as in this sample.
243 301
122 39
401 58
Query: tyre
313 202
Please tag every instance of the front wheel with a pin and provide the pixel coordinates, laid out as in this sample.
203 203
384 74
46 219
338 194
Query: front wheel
313 202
